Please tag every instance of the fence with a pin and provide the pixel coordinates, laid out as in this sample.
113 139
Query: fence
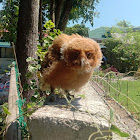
123 88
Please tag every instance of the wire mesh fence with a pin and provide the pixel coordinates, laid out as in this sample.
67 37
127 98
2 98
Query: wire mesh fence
125 89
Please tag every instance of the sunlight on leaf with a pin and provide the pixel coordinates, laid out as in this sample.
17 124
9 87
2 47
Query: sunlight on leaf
1 120
116 130
82 96
111 115
5 110
29 59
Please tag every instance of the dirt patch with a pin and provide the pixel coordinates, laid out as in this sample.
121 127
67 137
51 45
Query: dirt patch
129 78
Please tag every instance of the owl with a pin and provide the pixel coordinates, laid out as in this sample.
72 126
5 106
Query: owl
69 62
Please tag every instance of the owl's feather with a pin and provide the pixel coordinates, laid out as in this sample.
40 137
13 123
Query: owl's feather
69 62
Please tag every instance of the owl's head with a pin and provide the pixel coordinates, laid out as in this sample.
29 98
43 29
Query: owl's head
81 53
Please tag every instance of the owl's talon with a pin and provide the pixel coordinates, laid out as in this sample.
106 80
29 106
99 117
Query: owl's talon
52 98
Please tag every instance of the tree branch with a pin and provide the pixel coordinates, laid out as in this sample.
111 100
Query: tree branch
65 14
58 11
52 10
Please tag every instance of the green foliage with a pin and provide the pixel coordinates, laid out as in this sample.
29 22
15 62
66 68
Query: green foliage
111 56
79 29
9 19
116 130
123 23
123 49
49 35
36 100
3 115
81 9
111 116
84 9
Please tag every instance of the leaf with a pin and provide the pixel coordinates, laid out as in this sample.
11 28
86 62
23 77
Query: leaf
33 98
82 96
33 81
50 37
41 103
39 66
31 105
46 41
29 59
49 24
26 87
111 115
32 68
116 130
55 30
29 75
5 110
1 120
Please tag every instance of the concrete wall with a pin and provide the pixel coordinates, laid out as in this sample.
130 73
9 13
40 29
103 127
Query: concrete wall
56 121
12 125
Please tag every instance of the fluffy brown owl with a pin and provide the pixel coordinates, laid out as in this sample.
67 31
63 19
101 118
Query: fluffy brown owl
69 62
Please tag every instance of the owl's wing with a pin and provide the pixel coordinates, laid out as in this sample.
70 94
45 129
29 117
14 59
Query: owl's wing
53 55
45 63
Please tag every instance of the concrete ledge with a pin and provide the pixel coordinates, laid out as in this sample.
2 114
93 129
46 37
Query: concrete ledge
56 122
12 130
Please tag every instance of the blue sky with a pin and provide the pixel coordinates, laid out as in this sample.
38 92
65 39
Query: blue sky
112 10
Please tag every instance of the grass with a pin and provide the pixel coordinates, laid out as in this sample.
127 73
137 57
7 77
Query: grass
132 90
120 90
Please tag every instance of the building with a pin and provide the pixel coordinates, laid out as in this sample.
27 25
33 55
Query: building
6 55
99 35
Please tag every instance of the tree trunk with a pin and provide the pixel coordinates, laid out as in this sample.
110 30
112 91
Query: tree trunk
65 15
27 35
58 11
52 10
40 22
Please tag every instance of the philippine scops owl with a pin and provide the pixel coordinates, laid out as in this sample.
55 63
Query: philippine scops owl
69 62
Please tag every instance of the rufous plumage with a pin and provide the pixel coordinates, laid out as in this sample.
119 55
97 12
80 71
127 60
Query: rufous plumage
69 62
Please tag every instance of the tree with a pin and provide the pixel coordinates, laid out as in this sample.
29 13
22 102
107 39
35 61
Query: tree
124 46
9 19
60 11
40 22
123 23
27 35
130 47
79 29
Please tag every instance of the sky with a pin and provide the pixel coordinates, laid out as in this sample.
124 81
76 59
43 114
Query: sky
113 11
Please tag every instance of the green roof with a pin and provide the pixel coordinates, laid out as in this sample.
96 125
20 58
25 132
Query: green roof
5 44
98 33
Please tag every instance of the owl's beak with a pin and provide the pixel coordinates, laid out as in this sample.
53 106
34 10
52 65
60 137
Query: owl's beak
83 62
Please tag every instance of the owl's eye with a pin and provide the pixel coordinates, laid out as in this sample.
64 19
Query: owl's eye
74 55
89 55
